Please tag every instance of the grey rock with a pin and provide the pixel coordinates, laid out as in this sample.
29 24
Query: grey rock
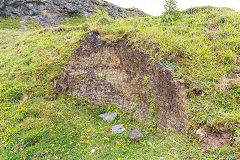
118 129
2 4
135 134
23 25
26 18
108 116
48 20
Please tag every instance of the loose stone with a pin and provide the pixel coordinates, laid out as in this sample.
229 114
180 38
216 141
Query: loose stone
108 116
118 129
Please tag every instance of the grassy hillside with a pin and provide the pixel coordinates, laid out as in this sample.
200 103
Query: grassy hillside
35 123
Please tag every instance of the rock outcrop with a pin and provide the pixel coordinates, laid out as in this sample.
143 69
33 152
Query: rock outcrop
117 74
50 12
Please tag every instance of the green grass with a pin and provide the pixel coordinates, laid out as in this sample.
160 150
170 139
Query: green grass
74 20
37 123
7 23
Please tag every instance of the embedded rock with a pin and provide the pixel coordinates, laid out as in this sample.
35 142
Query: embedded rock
117 129
135 134
49 12
2 5
23 26
117 74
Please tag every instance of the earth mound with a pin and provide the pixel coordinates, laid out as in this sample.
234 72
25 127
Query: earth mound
117 74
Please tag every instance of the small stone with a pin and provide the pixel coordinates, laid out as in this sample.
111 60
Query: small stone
135 134
108 116
93 150
23 25
118 129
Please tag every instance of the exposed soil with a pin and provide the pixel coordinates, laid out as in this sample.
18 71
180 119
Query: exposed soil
215 140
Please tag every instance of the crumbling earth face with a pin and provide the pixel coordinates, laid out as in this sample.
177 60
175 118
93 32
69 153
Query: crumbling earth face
117 74
215 140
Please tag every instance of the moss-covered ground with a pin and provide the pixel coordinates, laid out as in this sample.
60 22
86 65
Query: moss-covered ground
35 123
